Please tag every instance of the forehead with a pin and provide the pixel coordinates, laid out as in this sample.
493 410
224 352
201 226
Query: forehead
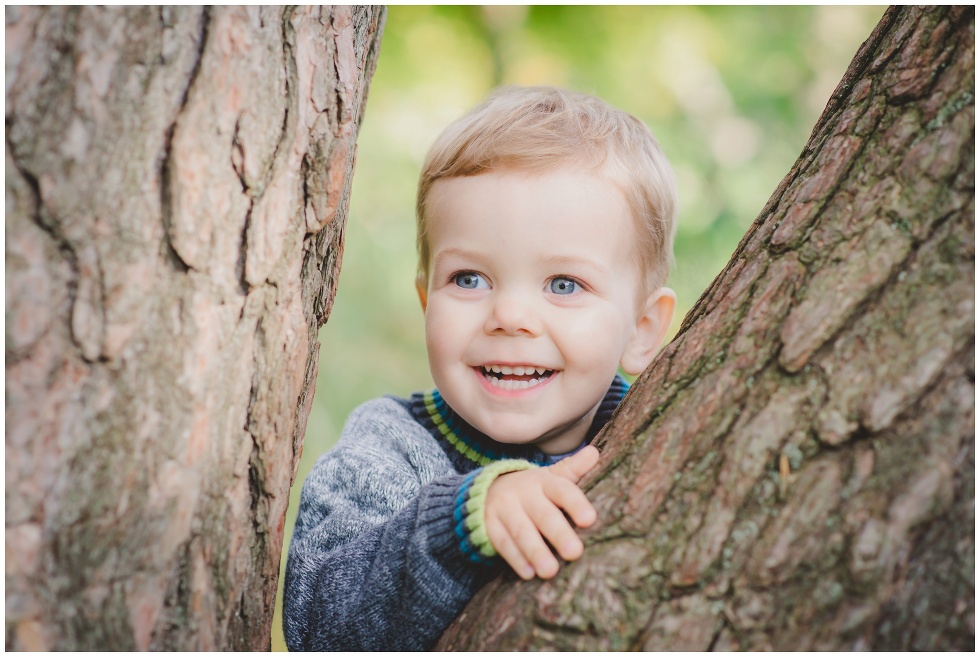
509 220
567 197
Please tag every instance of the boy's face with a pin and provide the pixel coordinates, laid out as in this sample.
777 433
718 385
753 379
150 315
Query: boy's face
534 297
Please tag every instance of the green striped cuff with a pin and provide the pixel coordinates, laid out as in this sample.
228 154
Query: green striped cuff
470 512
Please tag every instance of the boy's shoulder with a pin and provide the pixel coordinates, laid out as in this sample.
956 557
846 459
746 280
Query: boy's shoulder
386 418
381 450
386 428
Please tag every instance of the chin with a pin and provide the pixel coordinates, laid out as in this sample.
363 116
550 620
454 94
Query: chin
519 433
503 434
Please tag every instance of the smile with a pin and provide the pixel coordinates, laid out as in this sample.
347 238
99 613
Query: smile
515 377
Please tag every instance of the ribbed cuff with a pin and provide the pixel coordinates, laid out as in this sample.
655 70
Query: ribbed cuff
470 508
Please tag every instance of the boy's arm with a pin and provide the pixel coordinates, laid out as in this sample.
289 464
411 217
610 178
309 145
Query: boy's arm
375 561
395 586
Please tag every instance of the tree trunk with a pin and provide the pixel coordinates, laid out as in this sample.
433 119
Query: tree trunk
796 470
176 186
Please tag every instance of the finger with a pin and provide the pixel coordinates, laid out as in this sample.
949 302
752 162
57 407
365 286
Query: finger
568 497
508 550
553 525
532 545
575 466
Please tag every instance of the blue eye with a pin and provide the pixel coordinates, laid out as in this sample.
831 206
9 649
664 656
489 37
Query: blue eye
470 281
562 285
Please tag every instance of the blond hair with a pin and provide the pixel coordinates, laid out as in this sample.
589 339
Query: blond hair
541 128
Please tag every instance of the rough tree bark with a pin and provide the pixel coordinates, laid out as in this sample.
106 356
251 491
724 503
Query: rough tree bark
176 190
796 469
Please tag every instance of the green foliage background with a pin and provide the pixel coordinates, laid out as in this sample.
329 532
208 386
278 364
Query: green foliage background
732 94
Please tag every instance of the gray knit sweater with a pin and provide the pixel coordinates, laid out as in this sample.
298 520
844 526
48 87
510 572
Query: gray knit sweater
379 559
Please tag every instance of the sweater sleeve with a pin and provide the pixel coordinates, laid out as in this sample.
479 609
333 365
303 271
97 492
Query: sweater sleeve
376 561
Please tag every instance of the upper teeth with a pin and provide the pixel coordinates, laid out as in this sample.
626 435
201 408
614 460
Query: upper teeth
518 370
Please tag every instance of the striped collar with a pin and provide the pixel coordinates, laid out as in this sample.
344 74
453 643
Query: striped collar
469 448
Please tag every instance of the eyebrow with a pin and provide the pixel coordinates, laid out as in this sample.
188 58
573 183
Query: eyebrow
456 252
575 261
557 261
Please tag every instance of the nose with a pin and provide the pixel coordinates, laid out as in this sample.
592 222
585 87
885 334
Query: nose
512 312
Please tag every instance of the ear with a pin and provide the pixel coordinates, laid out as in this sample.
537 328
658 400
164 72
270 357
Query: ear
423 293
651 328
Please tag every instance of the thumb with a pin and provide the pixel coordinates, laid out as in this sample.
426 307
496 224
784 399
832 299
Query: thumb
575 466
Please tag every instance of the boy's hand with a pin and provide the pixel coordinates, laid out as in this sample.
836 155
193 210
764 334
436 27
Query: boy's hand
524 509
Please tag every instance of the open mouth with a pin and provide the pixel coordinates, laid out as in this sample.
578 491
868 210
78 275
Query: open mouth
517 377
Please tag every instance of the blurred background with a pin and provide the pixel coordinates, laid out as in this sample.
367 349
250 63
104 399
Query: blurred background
731 93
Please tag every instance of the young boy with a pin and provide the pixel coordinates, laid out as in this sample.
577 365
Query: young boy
545 227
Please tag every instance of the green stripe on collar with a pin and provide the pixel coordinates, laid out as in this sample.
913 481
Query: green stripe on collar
436 414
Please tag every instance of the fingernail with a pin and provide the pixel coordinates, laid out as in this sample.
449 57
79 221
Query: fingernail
548 570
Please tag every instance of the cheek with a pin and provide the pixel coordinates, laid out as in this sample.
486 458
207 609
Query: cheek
435 332
446 329
595 338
